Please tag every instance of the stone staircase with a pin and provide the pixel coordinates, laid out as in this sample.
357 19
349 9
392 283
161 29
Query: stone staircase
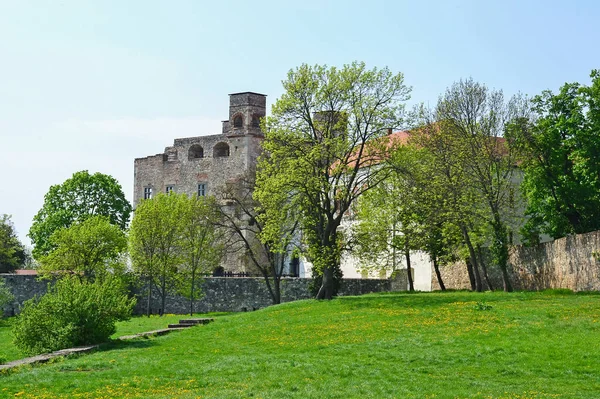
185 323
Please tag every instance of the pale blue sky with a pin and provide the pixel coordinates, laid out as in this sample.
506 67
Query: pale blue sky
94 84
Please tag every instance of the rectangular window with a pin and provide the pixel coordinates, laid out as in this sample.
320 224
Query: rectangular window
201 189
169 189
147 192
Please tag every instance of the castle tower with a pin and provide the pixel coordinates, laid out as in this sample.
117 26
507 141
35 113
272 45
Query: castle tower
245 111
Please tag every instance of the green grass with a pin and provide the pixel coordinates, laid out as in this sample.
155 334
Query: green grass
521 345
9 352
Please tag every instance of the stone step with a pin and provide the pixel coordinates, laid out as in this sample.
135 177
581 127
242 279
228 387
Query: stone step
195 321
181 325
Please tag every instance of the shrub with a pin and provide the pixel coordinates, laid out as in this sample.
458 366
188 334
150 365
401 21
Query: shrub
72 313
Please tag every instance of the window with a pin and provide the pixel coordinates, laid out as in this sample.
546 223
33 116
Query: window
201 189
255 121
238 121
221 150
147 192
195 152
169 189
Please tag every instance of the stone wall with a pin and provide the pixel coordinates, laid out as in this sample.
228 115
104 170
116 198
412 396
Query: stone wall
571 262
23 288
221 294
226 294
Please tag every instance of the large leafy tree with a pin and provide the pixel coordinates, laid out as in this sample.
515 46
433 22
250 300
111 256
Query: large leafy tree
317 152
472 120
404 213
200 243
78 198
244 220
155 244
12 251
90 249
561 169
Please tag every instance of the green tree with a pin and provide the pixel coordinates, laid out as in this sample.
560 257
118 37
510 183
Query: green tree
155 243
561 149
12 252
201 244
72 313
243 219
91 249
316 150
78 198
474 120
404 213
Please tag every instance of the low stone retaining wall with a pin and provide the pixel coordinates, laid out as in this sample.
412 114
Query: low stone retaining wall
571 262
232 294
221 294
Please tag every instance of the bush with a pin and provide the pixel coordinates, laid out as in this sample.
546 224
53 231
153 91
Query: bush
72 313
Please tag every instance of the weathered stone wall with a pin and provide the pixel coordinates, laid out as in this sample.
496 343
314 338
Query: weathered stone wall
571 262
225 294
23 288
221 294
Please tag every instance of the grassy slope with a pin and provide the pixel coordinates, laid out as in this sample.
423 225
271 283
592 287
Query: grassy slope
530 345
9 352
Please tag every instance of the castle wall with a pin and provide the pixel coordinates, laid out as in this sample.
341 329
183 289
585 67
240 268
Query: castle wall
221 294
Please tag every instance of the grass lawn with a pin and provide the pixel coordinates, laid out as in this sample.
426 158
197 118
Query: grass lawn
528 345
9 352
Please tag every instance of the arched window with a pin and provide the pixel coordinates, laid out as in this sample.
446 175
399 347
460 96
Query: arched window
255 121
221 150
196 151
238 121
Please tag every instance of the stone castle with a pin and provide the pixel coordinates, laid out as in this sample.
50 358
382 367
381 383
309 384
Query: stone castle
205 164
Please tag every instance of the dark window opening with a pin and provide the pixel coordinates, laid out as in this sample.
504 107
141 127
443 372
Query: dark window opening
255 121
147 192
196 151
169 189
221 150
295 267
201 189
238 121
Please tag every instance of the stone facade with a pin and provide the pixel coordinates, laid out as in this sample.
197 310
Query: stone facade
205 164
221 294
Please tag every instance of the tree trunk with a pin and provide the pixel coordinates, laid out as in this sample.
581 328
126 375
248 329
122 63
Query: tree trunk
149 297
277 290
326 290
163 293
473 258
411 286
192 294
501 250
436 267
470 273
484 268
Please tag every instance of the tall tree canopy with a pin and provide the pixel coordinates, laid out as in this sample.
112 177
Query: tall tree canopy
12 251
243 220
155 243
91 249
466 133
561 167
78 198
320 149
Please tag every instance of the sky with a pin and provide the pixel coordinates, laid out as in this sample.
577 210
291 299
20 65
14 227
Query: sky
92 85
